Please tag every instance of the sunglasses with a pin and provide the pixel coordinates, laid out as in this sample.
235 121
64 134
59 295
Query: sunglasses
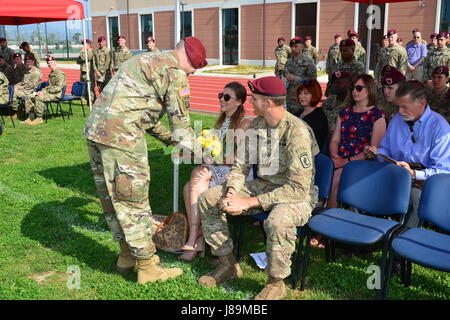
306 82
225 96
416 37
358 88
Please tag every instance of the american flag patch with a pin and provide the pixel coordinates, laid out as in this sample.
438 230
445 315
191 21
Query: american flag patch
183 92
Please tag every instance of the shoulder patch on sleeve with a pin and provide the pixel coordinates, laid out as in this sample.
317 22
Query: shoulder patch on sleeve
306 162
183 92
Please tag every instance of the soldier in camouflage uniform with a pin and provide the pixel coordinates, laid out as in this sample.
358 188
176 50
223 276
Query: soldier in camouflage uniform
386 101
52 92
81 60
438 57
119 55
309 50
393 55
145 88
384 44
437 96
4 92
337 99
333 56
298 68
31 52
284 186
102 64
360 52
6 51
7 70
282 54
151 45
19 68
433 44
26 87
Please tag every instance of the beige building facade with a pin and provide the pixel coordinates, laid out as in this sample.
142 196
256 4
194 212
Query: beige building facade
245 32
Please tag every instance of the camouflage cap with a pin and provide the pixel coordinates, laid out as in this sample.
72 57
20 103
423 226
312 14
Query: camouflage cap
195 51
341 74
392 77
440 70
268 86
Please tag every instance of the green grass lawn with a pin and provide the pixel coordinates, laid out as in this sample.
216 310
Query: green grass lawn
51 220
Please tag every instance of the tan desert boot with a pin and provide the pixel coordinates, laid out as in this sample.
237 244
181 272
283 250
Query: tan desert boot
150 271
126 261
275 289
36 121
227 269
26 121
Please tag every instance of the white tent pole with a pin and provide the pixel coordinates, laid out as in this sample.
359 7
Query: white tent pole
88 86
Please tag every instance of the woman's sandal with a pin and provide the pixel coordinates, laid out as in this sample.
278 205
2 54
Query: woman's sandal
199 248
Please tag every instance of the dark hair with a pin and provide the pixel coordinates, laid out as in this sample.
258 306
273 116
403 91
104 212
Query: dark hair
241 94
313 87
414 88
370 86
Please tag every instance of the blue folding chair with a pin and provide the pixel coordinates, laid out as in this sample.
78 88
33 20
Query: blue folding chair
375 189
77 93
7 105
421 246
58 106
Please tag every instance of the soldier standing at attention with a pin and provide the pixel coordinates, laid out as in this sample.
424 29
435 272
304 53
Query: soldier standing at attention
384 44
120 54
285 189
6 69
56 82
31 52
151 45
19 68
438 57
298 68
360 52
6 51
433 44
81 60
25 88
334 56
148 85
102 64
309 50
282 53
437 96
393 55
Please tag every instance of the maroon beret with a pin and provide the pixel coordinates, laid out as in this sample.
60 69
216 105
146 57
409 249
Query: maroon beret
101 38
50 58
121 37
392 77
391 32
17 54
150 39
2 39
195 52
295 40
87 41
441 35
308 38
23 45
399 40
337 35
341 74
387 68
384 36
433 35
352 33
440 70
281 38
268 86
347 43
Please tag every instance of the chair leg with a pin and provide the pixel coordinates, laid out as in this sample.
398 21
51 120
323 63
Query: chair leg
237 236
298 259
306 259
333 250
327 250
387 277
384 256
82 107
408 274
10 116
58 104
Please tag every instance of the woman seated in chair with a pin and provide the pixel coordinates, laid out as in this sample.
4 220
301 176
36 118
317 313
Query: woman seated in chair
232 116
308 96
360 125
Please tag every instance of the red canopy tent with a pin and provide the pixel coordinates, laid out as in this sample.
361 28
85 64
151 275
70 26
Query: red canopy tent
19 12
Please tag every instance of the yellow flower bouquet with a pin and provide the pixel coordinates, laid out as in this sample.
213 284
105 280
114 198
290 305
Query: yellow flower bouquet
211 145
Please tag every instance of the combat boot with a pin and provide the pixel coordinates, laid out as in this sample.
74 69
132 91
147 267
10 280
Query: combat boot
26 121
275 289
150 271
36 121
227 269
126 261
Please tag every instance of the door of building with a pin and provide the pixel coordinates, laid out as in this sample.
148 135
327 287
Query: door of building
230 36
306 21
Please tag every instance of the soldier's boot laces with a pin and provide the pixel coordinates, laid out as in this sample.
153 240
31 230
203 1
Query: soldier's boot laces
227 269
150 271
126 261
275 289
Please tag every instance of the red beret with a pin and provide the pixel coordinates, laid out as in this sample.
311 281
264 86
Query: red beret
281 38
433 35
385 36
442 35
388 68
150 39
391 32
268 86
17 54
121 37
342 74
295 40
308 38
337 35
440 70
101 38
347 43
392 77
23 45
50 58
195 51
87 41
352 33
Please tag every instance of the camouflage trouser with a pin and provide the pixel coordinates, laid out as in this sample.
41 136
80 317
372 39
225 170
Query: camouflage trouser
17 95
291 101
122 180
83 78
102 85
280 226
38 103
4 99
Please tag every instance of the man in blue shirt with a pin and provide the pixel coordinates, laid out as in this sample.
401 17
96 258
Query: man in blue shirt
416 135
417 52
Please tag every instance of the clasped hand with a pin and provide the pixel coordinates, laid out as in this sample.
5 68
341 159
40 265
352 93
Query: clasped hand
233 204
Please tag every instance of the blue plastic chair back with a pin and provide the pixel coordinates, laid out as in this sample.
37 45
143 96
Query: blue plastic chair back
375 187
324 175
78 89
63 93
434 203
41 86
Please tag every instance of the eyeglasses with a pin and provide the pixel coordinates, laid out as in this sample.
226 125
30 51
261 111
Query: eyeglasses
416 37
358 88
225 96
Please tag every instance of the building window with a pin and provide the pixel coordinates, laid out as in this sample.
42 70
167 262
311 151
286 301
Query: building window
146 28
113 31
445 16
186 24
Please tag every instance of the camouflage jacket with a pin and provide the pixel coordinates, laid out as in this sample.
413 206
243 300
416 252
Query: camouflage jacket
154 50
438 102
331 107
136 99
282 55
4 92
390 109
360 53
19 72
56 82
354 67
102 60
438 57
302 68
333 57
8 71
285 159
7 53
31 80
118 57
312 53
394 56
81 60
35 56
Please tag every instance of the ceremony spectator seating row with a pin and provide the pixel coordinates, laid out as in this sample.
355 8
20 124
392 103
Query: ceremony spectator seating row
7 106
